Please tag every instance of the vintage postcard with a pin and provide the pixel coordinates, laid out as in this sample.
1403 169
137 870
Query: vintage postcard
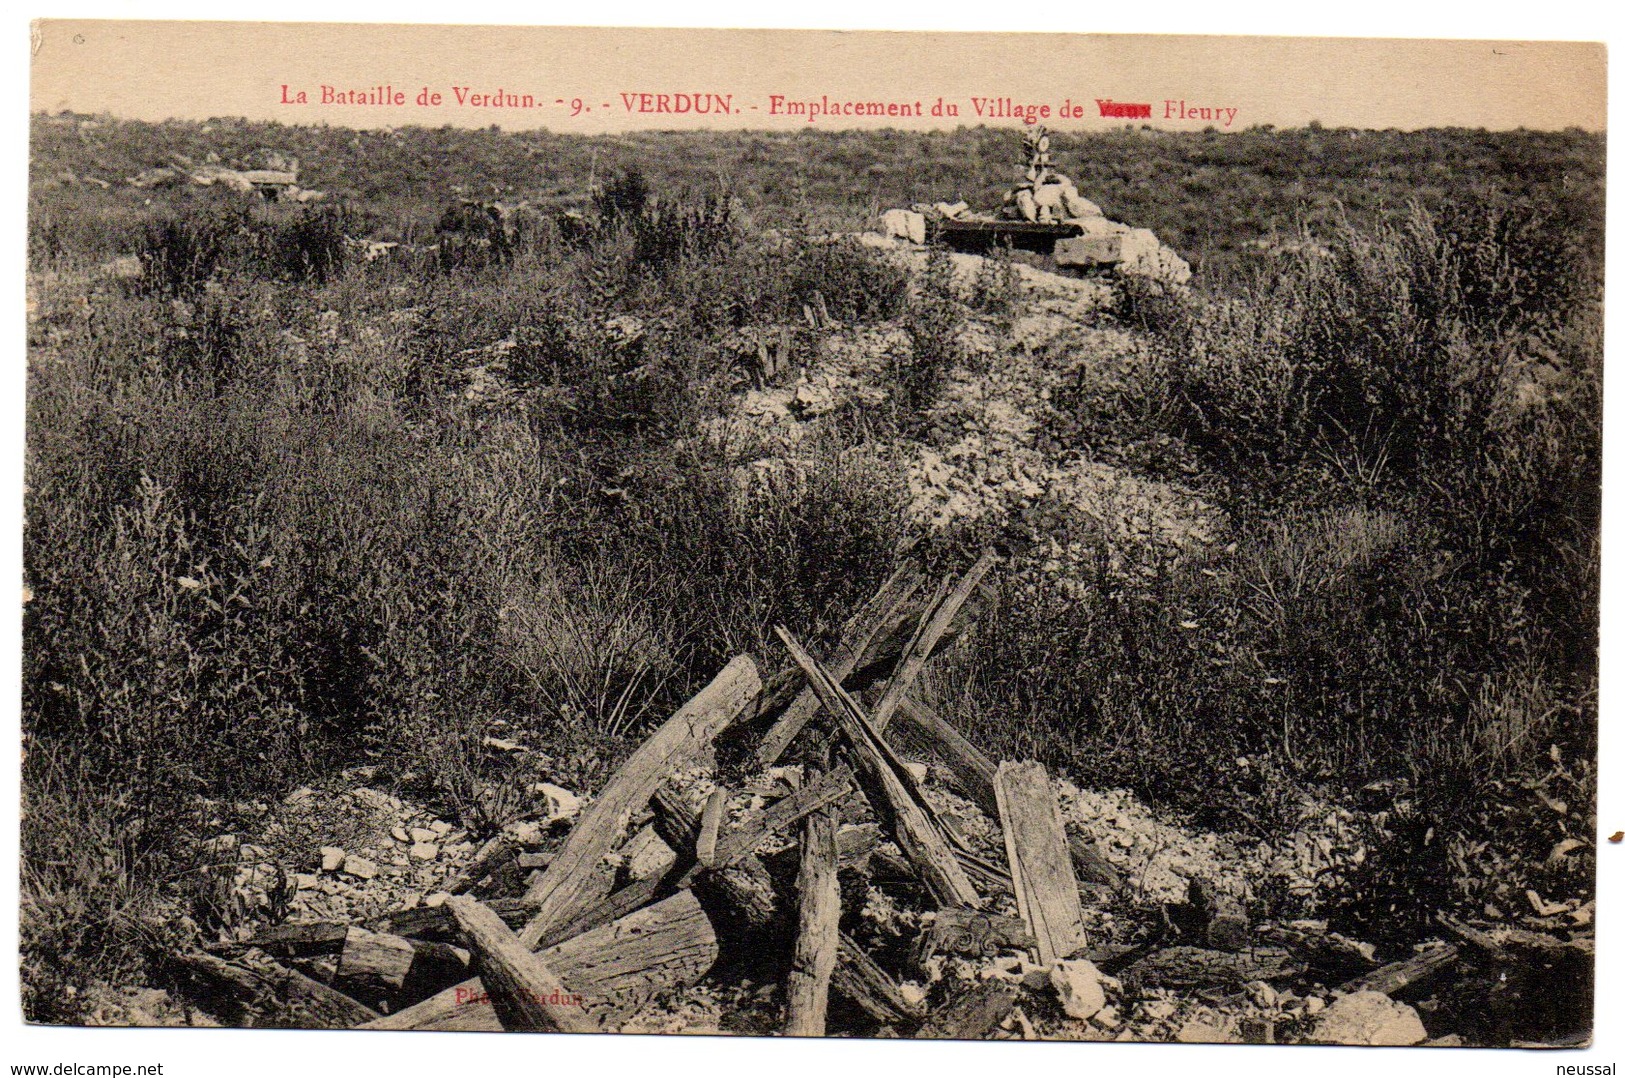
811 533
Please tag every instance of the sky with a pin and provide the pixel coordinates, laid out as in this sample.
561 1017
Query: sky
595 80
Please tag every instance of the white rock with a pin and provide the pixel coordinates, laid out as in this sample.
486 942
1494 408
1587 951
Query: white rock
527 833
1158 1009
912 993
435 899
1369 1018
425 851
1078 985
916 769
440 827
398 833
561 803
359 867
422 834
306 881
332 858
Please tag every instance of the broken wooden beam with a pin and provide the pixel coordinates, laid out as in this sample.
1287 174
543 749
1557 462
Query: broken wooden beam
381 966
525 993
934 624
739 894
887 608
754 829
1040 866
565 886
972 773
861 982
1202 967
271 995
612 968
818 929
300 940
1398 975
916 833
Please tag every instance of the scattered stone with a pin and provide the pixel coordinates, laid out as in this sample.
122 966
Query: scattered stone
502 744
425 851
440 827
359 867
561 803
1262 994
435 899
422 834
306 881
1158 1009
399 834
526 833
1079 985
1369 1018
332 858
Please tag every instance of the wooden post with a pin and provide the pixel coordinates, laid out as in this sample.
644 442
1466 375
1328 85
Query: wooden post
526 995
1040 867
666 944
565 887
912 826
818 933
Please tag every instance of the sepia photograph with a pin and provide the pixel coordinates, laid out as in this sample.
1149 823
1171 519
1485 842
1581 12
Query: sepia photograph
811 533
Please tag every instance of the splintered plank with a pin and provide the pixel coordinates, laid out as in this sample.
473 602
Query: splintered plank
886 608
892 789
818 930
1040 866
525 993
973 774
939 617
567 884
612 969
826 790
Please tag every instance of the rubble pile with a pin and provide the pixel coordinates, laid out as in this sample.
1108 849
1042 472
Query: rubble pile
821 853
1045 213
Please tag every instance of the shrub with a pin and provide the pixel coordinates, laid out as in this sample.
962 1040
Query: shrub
933 320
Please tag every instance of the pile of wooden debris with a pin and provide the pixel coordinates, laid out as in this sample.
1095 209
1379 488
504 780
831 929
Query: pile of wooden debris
867 901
